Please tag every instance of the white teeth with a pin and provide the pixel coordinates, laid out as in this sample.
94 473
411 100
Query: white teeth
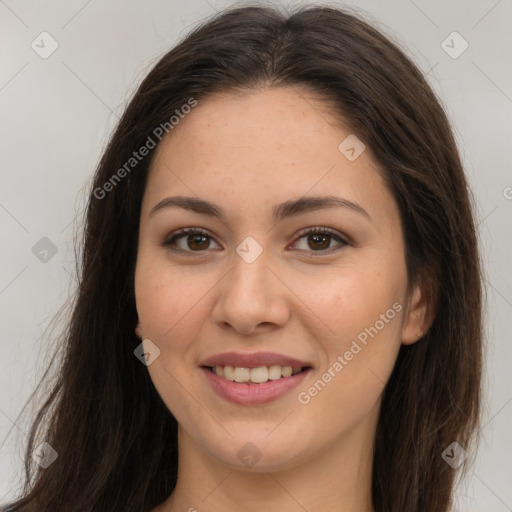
256 375
229 373
242 374
274 372
259 374
286 371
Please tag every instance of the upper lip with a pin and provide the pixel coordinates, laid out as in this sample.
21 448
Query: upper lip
253 360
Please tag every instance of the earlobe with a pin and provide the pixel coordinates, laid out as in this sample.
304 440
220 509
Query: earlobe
419 315
138 331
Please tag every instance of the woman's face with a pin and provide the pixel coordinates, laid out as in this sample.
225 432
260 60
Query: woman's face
254 294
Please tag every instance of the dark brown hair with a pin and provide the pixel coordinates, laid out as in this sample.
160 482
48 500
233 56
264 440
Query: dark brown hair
116 440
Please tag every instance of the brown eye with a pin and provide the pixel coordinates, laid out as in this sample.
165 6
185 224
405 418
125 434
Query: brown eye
320 239
199 242
188 240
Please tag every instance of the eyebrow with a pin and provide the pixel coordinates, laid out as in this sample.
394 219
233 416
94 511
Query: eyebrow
279 212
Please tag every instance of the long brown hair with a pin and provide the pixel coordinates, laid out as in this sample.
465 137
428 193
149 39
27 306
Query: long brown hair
116 440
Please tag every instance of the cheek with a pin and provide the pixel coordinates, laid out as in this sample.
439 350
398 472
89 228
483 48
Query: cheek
168 297
355 299
169 304
173 306
364 308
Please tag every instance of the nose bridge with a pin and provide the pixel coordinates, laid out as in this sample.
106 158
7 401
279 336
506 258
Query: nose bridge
249 278
250 273
250 293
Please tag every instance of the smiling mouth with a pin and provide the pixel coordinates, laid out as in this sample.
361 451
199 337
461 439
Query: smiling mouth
258 375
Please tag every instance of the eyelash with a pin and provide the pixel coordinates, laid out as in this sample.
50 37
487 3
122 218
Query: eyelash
171 240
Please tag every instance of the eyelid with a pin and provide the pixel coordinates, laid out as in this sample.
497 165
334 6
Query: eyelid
179 233
322 229
343 240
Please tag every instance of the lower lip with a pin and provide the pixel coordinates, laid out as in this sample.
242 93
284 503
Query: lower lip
253 394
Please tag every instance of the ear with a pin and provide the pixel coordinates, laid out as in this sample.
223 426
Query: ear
420 312
138 331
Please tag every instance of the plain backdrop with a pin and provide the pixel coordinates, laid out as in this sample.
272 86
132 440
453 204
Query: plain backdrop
57 113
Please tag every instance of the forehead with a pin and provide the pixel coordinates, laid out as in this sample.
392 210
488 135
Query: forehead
259 148
259 122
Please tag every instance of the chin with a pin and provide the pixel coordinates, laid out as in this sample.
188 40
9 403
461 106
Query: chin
257 450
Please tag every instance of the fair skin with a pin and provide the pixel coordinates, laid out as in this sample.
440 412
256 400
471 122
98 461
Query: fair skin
300 298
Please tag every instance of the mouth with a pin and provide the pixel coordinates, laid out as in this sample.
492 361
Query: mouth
257 375
253 379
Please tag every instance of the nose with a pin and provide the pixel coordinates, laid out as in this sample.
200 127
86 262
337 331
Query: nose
252 297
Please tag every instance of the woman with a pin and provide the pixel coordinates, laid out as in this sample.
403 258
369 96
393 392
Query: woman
280 295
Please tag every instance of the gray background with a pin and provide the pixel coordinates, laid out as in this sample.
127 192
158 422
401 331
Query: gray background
56 114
